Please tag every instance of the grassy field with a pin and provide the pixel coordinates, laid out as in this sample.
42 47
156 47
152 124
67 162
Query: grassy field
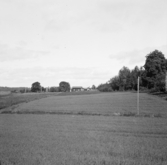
86 133
4 93
96 104
7 99
79 140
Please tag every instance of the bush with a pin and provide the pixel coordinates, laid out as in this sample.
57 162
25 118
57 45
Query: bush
54 89
105 88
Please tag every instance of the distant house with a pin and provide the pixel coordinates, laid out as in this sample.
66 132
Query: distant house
88 89
77 89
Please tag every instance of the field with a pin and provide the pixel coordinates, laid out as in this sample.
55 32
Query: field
106 104
7 99
82 129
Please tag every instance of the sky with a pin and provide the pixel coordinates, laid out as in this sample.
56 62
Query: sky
83 42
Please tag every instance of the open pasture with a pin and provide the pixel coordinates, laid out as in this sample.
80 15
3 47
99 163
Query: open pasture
31 139
8 99
97 104
4 93
47 139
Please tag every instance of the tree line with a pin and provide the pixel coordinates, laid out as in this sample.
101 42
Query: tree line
152 75
63 87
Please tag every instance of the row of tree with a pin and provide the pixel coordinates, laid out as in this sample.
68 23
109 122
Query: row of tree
152 75
63 87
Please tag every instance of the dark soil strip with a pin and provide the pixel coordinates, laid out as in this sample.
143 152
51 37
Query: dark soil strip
84 114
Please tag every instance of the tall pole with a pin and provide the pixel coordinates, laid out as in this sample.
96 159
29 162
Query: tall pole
11 99
166 82
138 81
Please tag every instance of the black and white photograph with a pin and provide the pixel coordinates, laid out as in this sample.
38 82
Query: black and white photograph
83 82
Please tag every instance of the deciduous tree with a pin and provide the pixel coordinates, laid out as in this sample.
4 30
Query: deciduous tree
124 78
64 86
155 69
36 87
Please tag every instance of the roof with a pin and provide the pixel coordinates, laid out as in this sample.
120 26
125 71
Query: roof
77 87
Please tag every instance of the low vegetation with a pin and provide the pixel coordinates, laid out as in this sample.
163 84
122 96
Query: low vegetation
92 129
8 99
89 103
73 140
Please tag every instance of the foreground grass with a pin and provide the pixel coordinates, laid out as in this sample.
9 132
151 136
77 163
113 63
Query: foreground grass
105 104
73 140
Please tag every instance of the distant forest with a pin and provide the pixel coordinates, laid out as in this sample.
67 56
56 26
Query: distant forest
152 76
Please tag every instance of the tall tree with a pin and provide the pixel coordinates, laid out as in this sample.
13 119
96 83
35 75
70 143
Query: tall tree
134 75
64 86
124 78
155 69
114 83
93 87
36 87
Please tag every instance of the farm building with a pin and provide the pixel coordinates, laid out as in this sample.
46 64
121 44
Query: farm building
88 89
77 89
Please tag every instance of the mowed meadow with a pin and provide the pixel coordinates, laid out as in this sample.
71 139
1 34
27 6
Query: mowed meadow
85 129
96 104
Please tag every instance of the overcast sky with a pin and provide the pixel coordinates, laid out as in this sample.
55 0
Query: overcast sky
83 42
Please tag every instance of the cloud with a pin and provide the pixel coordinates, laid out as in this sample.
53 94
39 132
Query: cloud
22 43
61 16
136 57
57 25
49 76
84 15
134 15
8 53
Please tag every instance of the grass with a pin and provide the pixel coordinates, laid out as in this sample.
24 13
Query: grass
87 132
7 99
4 93
161 94
105 104
72 140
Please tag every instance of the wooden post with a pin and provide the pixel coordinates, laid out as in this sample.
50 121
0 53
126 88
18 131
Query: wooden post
11 99
166 82
138 83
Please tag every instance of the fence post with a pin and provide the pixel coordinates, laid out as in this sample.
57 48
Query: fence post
138 83
166 82
11 99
